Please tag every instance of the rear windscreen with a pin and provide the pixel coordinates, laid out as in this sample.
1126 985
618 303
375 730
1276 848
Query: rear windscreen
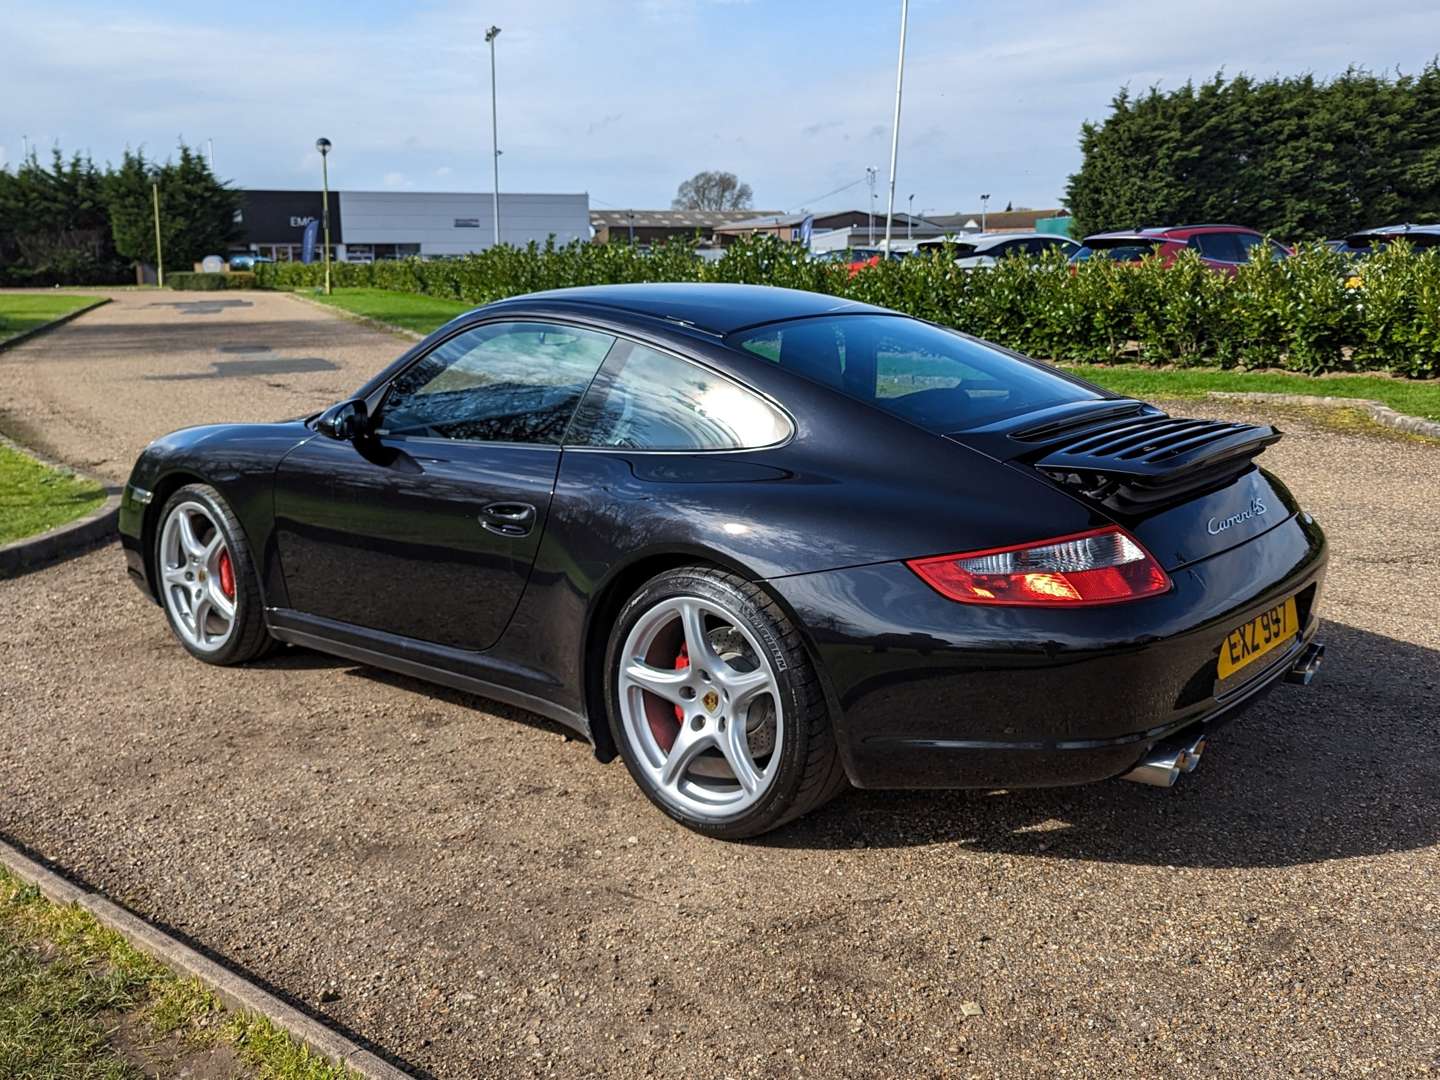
1119 250
932 377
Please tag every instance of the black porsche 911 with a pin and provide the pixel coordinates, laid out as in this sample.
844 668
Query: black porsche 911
763 544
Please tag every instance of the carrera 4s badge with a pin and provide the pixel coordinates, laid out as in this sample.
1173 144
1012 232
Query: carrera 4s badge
1215 526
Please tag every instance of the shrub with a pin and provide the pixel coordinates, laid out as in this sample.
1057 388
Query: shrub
1301 313
1399 313
197 281
200 281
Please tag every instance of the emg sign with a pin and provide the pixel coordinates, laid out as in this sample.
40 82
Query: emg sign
280 217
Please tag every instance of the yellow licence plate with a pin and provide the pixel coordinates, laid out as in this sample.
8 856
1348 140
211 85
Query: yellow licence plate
1268 630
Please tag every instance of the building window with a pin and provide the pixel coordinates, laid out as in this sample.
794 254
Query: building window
467 223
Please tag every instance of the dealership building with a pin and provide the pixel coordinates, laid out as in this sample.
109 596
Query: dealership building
370 225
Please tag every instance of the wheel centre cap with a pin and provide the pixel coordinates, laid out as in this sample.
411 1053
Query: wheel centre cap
711 701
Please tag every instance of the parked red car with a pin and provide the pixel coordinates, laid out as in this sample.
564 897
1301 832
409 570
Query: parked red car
1221 247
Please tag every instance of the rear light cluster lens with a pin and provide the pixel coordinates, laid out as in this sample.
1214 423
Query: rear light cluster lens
1101 567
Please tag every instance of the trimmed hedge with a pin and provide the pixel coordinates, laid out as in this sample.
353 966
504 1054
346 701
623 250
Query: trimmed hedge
1304 313
200 281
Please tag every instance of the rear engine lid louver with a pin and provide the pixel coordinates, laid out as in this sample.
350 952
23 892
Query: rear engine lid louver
1133 465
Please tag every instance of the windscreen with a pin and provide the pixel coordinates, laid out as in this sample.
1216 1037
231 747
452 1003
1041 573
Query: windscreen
932 377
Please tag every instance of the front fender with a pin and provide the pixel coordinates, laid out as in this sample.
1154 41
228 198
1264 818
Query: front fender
239 461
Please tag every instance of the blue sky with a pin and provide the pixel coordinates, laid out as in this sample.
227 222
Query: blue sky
625 99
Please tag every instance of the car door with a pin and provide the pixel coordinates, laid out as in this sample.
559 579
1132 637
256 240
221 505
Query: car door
427 526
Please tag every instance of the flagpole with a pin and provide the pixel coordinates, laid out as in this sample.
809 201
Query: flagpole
895 127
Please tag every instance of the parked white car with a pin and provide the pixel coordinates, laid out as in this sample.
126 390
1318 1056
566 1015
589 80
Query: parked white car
986 249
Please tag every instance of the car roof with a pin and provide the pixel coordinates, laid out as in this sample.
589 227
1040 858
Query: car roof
984 240
1405 229
717 307
1160 232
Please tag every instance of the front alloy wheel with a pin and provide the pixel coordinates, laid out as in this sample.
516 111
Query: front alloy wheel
197 577
205 580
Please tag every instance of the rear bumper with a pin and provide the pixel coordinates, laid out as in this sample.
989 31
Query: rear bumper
933 694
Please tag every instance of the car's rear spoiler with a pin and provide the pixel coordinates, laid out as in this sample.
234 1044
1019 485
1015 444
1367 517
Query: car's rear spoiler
1125 455
1146 463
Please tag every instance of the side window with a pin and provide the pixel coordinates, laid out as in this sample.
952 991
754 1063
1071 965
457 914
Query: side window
1223 247
650 400
501 382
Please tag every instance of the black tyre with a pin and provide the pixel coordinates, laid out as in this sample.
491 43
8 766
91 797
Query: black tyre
715 706
206 578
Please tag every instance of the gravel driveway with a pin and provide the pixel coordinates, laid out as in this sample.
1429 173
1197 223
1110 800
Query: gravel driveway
95 391
462 885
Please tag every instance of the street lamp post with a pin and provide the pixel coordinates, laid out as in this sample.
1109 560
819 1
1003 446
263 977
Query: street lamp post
159 257
984 205
323 145
490 36
870 220
910 220
630 217
895 126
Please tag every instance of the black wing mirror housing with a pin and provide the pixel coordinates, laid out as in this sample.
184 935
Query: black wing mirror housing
345 421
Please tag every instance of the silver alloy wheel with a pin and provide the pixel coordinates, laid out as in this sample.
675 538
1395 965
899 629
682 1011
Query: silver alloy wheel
706 723
194 576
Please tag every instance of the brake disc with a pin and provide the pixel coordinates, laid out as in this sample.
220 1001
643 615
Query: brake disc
730 645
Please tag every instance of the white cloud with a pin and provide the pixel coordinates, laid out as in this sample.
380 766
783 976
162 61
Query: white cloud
592 98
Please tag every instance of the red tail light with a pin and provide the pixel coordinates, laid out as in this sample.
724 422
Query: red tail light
1105 566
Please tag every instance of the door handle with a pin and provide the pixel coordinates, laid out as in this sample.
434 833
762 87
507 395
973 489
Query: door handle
508 518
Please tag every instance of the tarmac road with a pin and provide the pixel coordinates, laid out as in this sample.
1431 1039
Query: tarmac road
463 886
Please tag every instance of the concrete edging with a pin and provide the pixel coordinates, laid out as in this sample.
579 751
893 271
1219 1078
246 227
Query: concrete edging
238 994
36 331
96 527
363 320
1377 411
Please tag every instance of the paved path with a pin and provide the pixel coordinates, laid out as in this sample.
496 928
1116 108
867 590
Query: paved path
463 885
95 391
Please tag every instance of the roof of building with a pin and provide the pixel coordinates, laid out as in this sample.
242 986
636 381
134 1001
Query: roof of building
995 220
666 219
716 307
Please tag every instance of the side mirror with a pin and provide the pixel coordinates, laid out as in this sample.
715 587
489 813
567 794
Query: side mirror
345 421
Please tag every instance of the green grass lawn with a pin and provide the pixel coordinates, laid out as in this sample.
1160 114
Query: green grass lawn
77 1001
35 497
25 311
409 311
1415 397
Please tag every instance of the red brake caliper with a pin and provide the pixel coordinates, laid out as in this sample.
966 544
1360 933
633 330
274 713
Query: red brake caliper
681 663
663 732
227 574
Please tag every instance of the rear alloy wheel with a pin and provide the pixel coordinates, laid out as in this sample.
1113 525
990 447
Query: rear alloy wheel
716 708
205 579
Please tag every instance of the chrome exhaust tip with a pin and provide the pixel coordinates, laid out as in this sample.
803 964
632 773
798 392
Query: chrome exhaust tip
1307 666
1167 760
